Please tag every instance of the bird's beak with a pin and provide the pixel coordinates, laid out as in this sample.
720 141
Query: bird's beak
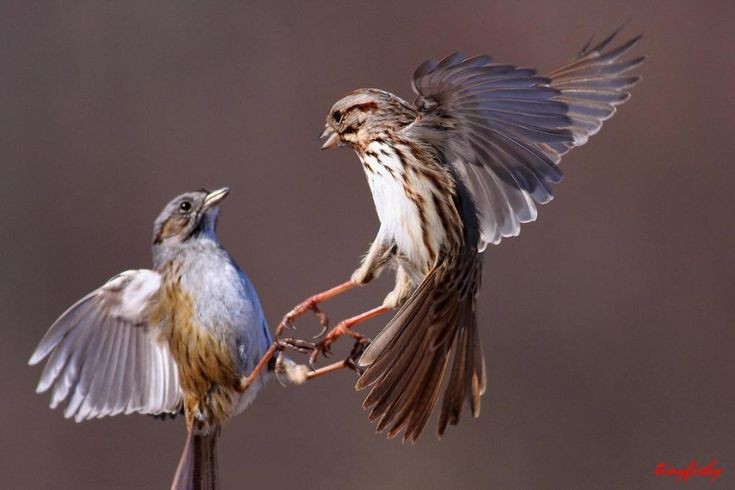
332 138
214 197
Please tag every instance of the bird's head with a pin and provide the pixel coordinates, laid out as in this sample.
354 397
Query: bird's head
364 115
189 215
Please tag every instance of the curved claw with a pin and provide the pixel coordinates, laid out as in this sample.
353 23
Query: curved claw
289 319
360 345
323 318
279 368
286 323
322 347
323 321
312 358
326 349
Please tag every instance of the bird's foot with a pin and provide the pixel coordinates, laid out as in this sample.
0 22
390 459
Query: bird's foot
311 304
360 345
323 347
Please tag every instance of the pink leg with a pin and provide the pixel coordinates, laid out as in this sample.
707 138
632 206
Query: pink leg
311 305
328 369
345 327
277 346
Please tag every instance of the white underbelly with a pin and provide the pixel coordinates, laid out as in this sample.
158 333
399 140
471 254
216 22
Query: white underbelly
399 214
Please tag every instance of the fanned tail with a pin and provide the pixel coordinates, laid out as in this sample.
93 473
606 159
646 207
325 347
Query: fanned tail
407 361
197 468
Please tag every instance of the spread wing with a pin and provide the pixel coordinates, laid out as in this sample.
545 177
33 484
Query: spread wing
103 357
504 129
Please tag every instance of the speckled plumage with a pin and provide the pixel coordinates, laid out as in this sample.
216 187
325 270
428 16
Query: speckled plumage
462 167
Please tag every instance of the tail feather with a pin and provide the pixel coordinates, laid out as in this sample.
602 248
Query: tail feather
386 394
467 379
197 469
427 396
416 394
404 319
408 360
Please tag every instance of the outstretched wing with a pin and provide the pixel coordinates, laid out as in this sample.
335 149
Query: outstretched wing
504 129
103 356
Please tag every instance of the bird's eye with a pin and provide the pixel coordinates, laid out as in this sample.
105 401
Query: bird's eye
185 206
337 116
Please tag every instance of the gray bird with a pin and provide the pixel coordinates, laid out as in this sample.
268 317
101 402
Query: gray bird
182 335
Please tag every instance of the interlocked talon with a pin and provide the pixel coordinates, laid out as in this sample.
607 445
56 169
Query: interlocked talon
349 363
342 328
305 347
277 346
324 346
311 304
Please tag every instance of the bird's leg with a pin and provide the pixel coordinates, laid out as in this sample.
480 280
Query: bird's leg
381 251
335 366
378 255
402 290
349 363
277 346
311 304
345 327
288 372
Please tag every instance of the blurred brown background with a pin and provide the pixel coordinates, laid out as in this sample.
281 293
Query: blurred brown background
607 325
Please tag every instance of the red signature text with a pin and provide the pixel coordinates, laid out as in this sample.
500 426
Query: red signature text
694 469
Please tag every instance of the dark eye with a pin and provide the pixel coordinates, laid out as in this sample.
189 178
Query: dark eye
185 206
337 116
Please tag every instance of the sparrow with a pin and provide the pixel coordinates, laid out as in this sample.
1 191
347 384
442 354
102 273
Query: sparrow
155 341
459 168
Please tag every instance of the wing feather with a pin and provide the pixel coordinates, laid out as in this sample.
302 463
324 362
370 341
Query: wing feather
503 129
104 358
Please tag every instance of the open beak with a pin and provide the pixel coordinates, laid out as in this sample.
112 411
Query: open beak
332 138
214 197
